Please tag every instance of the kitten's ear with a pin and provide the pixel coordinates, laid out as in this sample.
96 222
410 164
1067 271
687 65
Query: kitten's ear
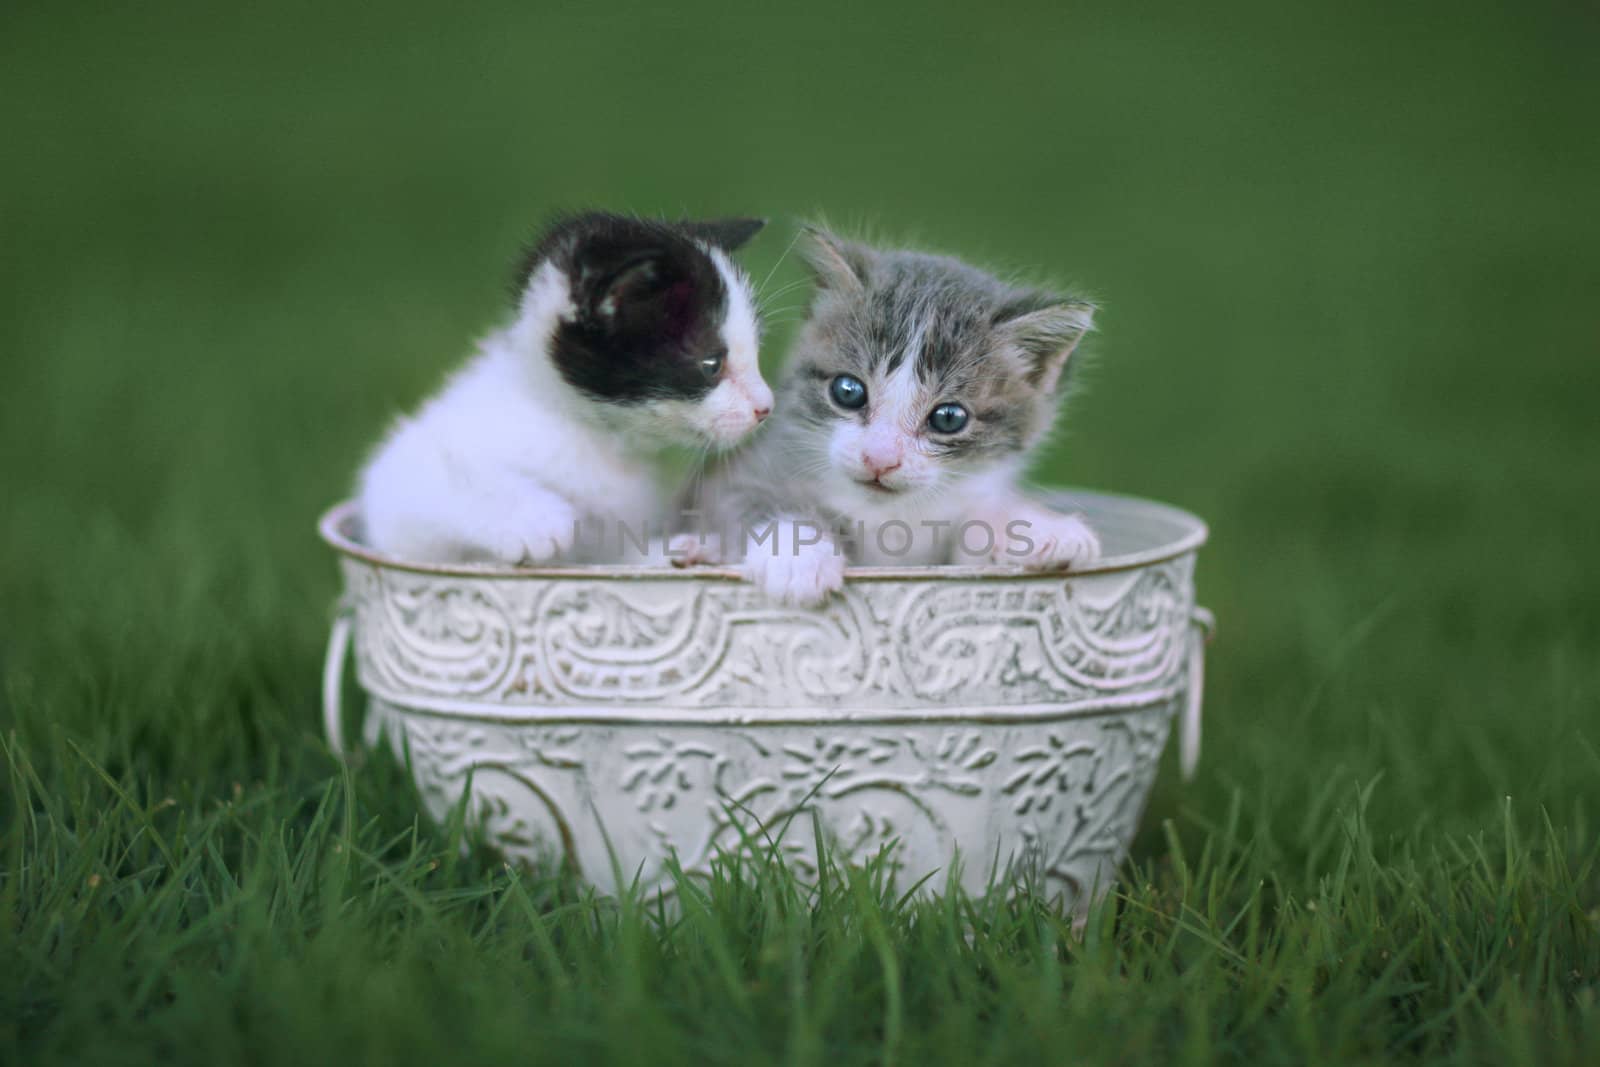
727 234
629 286
838 264
1047 331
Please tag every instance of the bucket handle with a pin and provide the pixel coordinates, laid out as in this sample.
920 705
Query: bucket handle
1202 624
333 678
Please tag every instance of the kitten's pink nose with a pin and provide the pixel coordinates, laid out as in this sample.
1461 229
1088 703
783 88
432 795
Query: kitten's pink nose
760 396
879 464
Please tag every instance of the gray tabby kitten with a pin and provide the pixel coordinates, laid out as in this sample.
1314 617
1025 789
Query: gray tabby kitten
914 394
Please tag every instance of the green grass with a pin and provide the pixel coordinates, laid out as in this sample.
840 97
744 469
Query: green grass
1348 261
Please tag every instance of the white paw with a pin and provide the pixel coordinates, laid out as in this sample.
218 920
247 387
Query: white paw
690 549
804 578
1049 542
533 534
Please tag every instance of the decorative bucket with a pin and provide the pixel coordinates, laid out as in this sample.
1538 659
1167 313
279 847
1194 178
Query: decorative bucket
974 721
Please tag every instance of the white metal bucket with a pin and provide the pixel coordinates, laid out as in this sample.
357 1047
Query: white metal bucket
615 716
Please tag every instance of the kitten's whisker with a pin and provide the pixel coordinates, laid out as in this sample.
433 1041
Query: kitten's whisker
774 268
782 290
769 314
786 287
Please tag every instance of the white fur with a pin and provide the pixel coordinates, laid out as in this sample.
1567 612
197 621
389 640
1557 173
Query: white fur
802 567
507 458
1028 534
891 440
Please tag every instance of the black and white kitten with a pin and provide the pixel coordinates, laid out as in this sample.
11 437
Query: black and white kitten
913 395
629 333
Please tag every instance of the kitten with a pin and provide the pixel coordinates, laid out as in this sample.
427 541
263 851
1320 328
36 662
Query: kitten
628 333
915 391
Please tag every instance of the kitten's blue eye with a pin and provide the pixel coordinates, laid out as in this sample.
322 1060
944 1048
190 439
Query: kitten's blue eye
848 392
711 365
948 418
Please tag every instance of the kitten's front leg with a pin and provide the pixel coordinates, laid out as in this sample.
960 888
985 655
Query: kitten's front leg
694 549
798 563
534 526
1028 534
423 510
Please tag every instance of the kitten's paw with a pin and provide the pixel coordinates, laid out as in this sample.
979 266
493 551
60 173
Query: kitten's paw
804 579
533 534
690 549
1050 542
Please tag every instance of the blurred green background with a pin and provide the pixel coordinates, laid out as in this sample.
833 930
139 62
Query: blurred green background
1348 256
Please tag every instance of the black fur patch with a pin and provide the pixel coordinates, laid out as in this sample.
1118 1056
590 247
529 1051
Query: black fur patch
649 303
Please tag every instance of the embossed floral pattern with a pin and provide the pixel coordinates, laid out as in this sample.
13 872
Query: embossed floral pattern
1050 770
558 642
662 770
1061 798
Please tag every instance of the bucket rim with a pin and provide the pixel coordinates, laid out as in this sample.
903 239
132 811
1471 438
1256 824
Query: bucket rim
1191 533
